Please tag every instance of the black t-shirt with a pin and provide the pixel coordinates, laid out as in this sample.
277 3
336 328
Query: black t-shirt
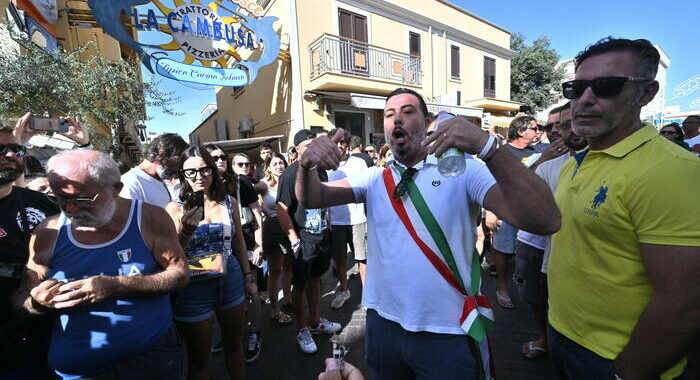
366 157
13 240
259 173
520 154
308 220
248 195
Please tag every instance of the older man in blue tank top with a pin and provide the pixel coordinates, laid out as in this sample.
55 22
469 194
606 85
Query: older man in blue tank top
104 268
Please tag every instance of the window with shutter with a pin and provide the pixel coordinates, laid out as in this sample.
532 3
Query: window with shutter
489 77
454 53
414 44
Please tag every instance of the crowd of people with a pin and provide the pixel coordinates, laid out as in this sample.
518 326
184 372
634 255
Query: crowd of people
110 272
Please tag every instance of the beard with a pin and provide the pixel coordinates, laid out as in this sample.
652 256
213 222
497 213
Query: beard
95 219
575 142
11 172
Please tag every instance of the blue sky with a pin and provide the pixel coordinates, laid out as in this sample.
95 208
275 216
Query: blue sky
570 26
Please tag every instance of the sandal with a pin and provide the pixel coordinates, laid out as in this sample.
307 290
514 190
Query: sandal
530 351
505 301
281 318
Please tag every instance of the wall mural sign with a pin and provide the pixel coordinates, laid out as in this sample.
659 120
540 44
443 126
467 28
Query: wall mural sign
214 37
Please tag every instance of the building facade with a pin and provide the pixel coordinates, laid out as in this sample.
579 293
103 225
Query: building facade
345 56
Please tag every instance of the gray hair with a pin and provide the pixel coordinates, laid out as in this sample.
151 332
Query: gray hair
100 167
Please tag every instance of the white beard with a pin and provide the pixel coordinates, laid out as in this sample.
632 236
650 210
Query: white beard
96 218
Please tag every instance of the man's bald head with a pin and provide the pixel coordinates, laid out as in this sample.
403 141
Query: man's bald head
84 166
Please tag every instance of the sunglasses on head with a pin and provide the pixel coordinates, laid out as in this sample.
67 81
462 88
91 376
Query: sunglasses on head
18 150
222 157
603 87
192 173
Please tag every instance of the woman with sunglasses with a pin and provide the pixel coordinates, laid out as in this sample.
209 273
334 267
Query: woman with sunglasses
212 229
673 132
275 242
238 186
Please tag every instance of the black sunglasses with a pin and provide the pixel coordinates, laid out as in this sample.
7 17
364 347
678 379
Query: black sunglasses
223 157
242 164
603 87
402 186
205 171
18 150
666 133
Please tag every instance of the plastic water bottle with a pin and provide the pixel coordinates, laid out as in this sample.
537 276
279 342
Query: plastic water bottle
451 163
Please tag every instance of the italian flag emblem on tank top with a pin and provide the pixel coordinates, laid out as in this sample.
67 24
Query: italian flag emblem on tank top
477 315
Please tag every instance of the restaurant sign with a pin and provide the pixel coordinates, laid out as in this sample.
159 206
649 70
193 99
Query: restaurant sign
214 38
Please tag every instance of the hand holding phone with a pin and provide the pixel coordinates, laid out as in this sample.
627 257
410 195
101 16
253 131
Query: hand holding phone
195 205
51 124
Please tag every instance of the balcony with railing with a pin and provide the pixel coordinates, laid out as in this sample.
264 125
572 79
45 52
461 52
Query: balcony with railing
338 55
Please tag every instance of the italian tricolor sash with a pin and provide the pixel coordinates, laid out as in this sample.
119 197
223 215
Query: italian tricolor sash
477 315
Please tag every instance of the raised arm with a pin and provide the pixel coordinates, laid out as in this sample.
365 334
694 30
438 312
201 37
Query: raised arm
529 204
322 154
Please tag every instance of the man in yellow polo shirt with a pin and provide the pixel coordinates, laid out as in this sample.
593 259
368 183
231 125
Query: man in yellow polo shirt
624 269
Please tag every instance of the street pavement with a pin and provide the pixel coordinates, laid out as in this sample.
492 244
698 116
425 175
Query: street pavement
281 358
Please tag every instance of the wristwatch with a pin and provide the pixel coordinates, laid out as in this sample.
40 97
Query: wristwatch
249 278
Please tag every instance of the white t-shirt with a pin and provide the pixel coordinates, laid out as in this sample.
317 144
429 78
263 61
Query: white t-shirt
692 142
141 186
549 172
351 213
537 241
401 284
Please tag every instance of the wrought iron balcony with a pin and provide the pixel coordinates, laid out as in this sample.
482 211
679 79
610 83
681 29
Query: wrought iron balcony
333 54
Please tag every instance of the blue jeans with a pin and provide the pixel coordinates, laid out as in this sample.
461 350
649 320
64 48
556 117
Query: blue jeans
572 361
395 353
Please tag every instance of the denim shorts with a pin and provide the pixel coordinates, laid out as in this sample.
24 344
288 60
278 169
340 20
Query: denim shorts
198 301
504 238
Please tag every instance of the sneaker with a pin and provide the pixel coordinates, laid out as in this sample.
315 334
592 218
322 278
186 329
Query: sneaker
217 347
340 299
252 352
325 326
306 341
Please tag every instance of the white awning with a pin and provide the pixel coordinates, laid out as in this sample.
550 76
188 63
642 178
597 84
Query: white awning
242 145
378 103
456 110
368 101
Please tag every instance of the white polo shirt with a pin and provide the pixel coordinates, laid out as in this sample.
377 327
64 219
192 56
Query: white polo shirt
401 284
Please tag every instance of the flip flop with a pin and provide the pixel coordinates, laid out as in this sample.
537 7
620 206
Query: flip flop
505 301
530 351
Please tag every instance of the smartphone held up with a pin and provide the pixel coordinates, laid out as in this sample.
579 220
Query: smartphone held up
48 124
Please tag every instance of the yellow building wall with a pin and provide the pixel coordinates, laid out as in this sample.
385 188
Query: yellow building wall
267 101
318 17
313 19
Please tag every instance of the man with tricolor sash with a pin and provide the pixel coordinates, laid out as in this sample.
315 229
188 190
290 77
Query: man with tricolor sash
426 316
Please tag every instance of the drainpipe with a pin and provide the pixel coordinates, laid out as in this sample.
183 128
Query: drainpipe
432 63
297 106
447 60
